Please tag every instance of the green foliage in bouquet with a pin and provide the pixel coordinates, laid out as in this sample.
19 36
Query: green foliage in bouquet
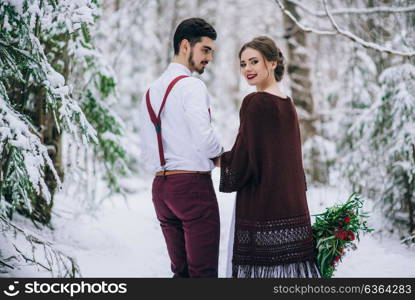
335 231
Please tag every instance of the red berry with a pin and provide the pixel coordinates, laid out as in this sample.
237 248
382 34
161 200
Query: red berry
346 220
341 234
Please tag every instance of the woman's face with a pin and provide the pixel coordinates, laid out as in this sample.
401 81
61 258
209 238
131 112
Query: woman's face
255 69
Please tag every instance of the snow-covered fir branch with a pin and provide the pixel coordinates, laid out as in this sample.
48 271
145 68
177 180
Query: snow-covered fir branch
24 157
31 54
31 249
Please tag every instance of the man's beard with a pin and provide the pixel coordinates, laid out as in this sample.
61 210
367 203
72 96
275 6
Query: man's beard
193 64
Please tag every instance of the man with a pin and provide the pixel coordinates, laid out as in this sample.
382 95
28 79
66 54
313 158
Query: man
180 146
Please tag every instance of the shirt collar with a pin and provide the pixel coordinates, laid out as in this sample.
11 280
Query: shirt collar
181 68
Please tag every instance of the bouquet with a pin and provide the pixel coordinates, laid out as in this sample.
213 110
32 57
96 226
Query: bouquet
335 230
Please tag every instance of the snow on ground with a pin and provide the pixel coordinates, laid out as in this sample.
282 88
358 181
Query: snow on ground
124 239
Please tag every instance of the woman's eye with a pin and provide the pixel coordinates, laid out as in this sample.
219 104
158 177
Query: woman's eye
254 62
242 65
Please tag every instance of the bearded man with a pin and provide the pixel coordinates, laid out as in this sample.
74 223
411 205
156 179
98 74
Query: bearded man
180 148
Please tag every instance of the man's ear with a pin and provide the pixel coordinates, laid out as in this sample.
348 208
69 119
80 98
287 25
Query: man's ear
184 46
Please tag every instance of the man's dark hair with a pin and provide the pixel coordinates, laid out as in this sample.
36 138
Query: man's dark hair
193 30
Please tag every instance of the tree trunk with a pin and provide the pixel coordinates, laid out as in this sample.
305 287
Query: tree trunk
408 198
50 137
299 72
53 141
298 69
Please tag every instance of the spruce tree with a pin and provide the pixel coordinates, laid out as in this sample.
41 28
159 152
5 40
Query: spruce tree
54 83
381 161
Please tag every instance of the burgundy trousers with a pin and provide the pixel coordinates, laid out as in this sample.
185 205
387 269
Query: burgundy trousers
187 209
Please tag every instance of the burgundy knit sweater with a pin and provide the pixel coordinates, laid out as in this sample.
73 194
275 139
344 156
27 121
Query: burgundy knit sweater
272 220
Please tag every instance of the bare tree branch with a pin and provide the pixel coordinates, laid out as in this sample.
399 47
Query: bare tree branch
354 10
301 26
362 42
339 31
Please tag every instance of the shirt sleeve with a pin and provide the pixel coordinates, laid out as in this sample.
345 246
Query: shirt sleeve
145 134
196 111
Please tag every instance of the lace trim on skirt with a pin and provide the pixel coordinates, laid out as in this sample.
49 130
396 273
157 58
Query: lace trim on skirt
305 269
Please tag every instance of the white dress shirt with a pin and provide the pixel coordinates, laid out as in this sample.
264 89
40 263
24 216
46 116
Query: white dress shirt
188 137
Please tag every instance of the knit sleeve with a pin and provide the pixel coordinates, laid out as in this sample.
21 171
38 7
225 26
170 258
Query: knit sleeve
235 169
242 164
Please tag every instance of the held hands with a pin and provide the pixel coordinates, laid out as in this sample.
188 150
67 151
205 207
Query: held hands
216 161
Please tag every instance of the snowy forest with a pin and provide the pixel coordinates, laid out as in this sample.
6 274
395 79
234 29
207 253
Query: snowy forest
75 199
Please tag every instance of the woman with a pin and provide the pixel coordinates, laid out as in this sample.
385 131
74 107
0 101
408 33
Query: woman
272 236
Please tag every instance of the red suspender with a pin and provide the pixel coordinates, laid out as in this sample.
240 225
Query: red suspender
156 120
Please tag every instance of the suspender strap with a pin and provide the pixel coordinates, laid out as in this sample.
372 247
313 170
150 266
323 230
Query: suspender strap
156 120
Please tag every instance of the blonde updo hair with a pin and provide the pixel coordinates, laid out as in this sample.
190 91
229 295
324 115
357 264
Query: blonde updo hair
269 51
